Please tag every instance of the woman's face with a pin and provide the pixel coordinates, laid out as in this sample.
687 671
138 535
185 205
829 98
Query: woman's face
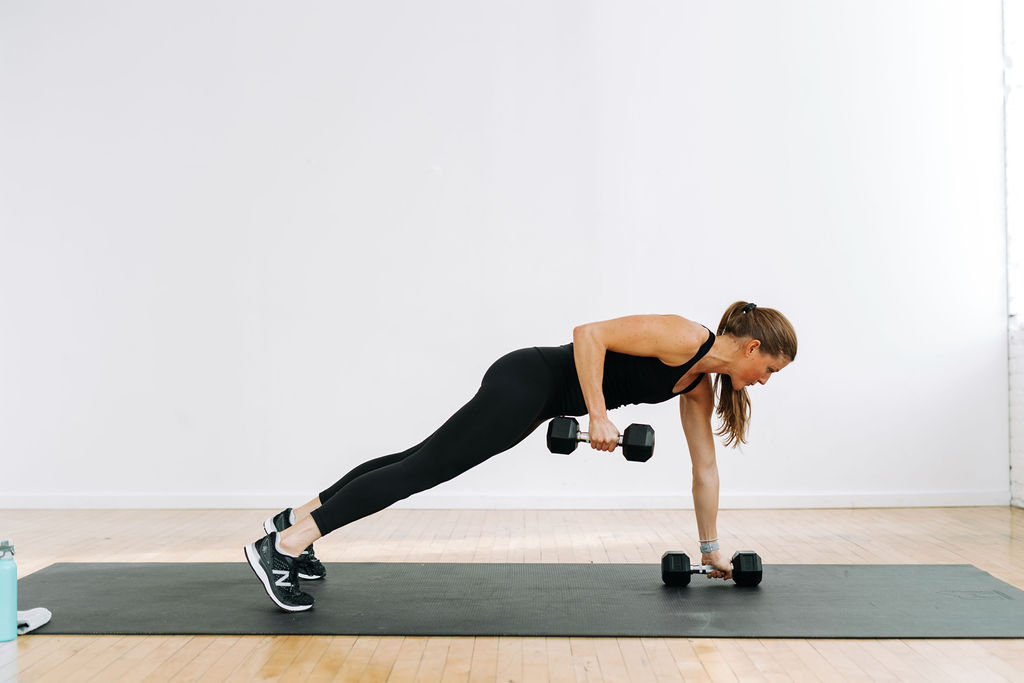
755 367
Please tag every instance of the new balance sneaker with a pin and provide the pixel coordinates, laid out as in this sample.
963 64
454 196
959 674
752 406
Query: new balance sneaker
310 568
277 572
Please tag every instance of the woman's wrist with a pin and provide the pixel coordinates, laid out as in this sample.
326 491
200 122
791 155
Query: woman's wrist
709 545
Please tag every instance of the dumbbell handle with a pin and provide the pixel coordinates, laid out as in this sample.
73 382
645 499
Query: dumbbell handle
585 437
703 569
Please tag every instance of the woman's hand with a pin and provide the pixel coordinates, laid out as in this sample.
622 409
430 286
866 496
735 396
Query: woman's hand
718 561
604 436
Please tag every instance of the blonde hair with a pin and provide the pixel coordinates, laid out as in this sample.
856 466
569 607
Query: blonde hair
778 338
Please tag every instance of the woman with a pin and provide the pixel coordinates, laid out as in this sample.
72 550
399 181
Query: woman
636 359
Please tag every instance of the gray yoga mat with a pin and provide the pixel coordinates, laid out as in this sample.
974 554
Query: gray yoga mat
440 599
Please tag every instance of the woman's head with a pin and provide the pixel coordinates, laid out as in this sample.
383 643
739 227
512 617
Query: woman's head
766 343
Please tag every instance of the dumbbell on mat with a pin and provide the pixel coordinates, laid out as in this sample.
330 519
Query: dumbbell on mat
676 568
564 434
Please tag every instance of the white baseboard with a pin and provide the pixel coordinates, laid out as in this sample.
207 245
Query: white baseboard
427 501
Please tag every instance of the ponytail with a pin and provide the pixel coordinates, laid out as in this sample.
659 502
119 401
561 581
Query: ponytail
746 321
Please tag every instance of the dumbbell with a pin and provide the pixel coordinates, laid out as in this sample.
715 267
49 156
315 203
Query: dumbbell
676 568
564 434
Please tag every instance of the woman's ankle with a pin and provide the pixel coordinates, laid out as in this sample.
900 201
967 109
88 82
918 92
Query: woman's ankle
300 513
283 547
299 536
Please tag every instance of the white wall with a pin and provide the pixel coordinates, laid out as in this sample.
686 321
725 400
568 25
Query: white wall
1013 42
245 246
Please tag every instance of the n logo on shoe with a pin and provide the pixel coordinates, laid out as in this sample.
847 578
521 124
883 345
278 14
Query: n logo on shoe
282 579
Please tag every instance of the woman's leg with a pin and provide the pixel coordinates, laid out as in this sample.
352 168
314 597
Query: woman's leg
305 531
305 510
506 409
367 466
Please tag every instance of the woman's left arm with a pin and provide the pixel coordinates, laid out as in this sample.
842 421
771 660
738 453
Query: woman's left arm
695 409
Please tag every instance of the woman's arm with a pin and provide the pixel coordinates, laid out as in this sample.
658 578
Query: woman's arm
671 338
695 409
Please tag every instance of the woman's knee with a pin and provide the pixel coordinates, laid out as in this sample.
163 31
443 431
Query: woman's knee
413 477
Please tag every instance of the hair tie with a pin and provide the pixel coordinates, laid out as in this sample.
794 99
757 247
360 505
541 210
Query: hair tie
749 307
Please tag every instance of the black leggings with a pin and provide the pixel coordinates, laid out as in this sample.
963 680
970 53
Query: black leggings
518 392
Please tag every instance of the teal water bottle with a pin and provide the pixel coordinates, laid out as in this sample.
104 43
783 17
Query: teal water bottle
8 593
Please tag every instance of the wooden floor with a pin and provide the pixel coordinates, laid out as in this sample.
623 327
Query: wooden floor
991 538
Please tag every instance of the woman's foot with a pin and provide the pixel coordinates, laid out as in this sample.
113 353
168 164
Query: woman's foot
278 574
310 568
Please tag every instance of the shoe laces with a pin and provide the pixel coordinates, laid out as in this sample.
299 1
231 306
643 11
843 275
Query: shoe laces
293 580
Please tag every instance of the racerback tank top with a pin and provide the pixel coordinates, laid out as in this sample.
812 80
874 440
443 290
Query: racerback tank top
627 379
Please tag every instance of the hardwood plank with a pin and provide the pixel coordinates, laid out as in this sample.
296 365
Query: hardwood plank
306 660
741 665
332 659
510 659
166 647
94 656
358 658
458 661
484 666
535 660
559 660
407 661
821 667
142 650
169 668
585 661
834 654
242 653
433 660
634 656
216 648
54 664
663 665
281 655
613 667
383 659
688 663
712 660
760 654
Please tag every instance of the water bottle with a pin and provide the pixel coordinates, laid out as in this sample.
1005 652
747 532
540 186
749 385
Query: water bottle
8 593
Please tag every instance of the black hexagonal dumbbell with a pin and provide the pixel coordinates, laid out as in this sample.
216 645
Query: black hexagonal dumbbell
676 569
637 442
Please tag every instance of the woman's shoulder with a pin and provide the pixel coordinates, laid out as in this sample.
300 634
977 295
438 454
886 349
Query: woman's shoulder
689 332
669 337
682 338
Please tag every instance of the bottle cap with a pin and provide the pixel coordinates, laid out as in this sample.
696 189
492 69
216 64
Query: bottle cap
6 547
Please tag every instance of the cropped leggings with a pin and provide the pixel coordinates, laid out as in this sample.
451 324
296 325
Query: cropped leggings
518 393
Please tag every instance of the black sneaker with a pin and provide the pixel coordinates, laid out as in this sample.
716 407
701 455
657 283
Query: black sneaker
310 568
277 571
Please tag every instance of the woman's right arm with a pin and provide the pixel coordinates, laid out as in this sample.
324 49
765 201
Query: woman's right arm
588 352
671 338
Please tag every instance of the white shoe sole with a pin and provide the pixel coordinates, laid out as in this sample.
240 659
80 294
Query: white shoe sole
253 557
